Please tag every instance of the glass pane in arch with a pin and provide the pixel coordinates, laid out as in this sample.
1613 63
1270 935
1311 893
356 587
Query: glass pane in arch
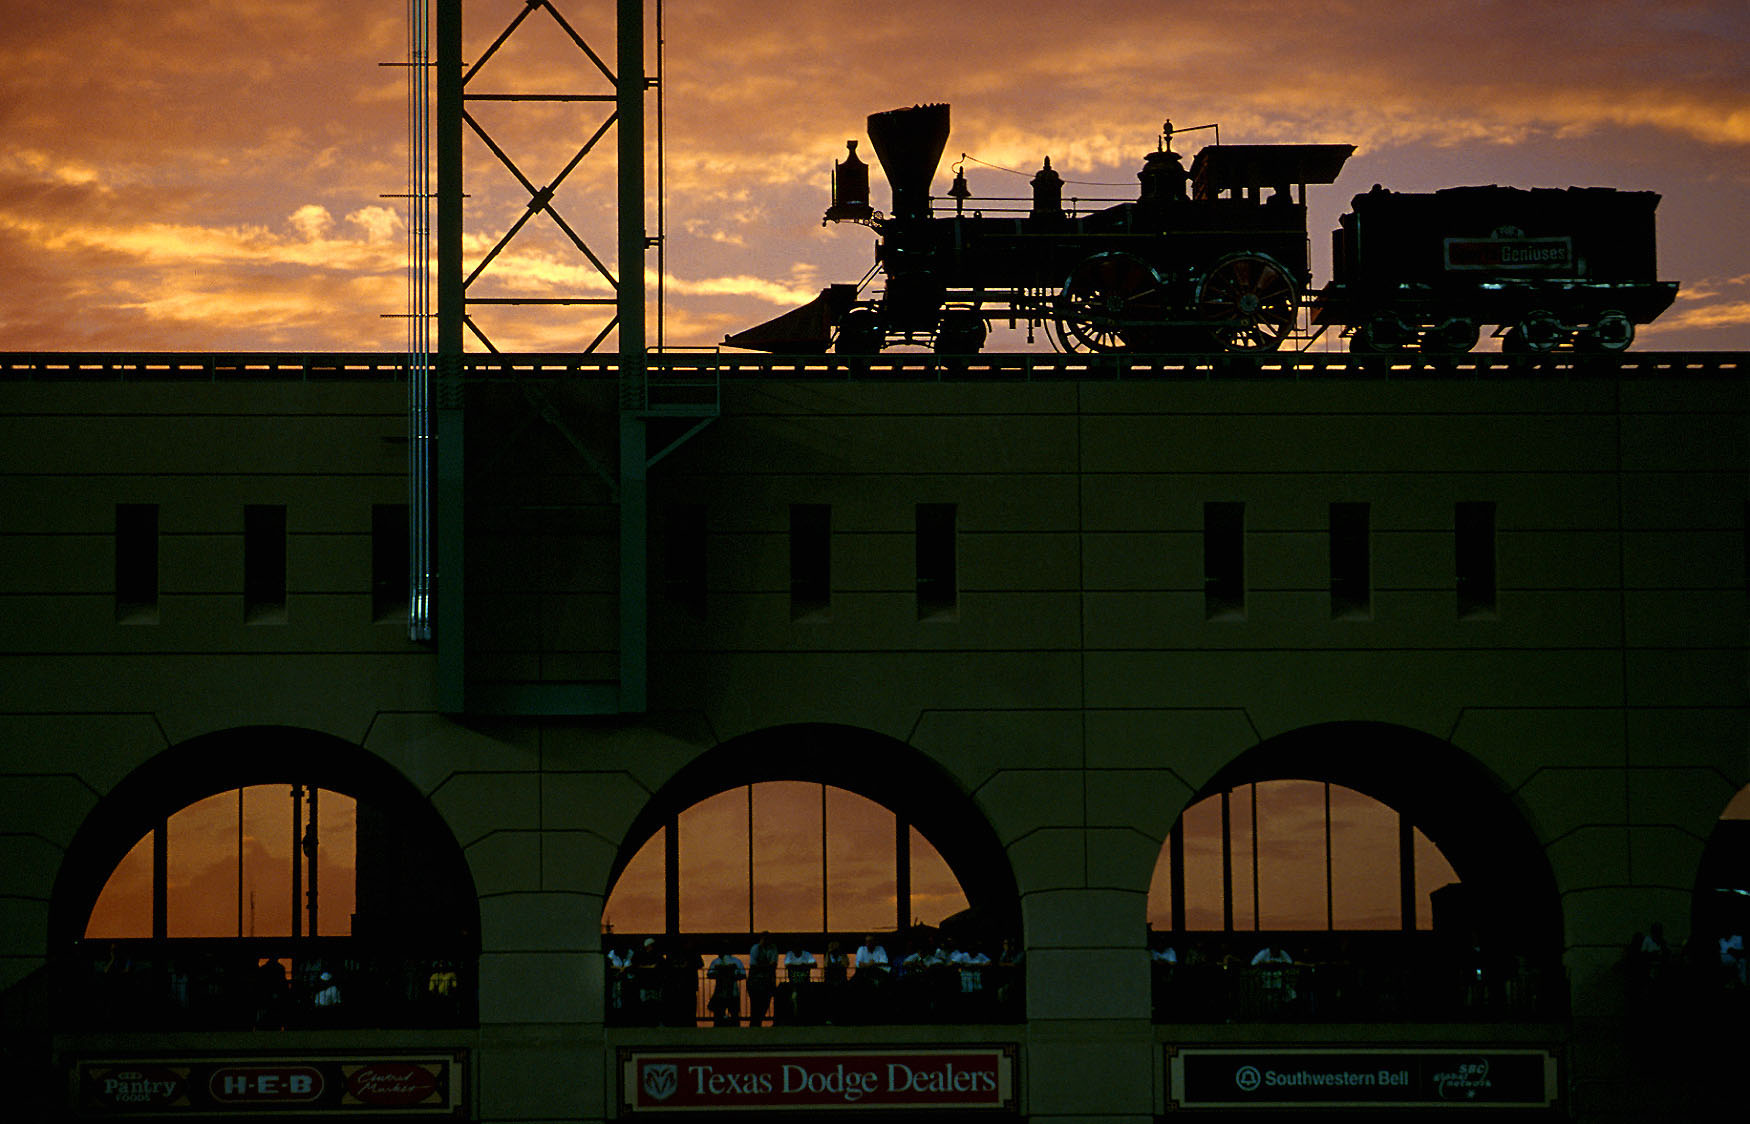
861 885
1432 872
637 904
1290 865
124 908
935 892
713 870
1291 855
211 854
1365 889
789 857
1202 865
201 868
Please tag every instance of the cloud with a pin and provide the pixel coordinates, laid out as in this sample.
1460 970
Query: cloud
311 221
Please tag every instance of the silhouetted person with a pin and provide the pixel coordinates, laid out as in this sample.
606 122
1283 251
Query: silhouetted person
762 979
272 989
725 974
794 995
645 976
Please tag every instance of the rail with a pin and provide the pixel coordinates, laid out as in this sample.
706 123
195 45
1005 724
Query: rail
682 369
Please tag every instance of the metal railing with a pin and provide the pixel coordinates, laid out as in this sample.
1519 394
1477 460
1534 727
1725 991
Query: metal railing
691 370
261 984
930 994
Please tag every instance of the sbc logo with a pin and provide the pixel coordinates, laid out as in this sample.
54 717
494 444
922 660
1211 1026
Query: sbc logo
1248 1078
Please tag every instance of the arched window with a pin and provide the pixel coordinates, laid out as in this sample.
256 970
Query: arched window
857 915
1301 899
265 878
784 856
1295 855
258 861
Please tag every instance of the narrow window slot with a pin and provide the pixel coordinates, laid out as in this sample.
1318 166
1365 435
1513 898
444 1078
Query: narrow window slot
264 563
1473 551
937 565
683 557
1224 561
810 561
391 571
1351 563
136 563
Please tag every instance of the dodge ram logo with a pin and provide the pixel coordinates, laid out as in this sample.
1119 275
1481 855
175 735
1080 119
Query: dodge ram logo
660 1081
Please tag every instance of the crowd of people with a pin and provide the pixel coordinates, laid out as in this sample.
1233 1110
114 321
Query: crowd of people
268 984
1218 977
1705 964
928 977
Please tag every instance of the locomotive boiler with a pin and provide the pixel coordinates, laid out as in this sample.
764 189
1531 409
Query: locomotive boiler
1214 258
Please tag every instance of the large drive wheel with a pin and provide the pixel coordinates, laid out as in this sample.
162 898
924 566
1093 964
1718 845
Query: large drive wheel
1107 302
1251 302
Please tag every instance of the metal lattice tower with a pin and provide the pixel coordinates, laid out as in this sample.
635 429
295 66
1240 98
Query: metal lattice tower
438 418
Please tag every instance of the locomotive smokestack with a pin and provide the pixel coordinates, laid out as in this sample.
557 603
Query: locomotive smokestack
909 144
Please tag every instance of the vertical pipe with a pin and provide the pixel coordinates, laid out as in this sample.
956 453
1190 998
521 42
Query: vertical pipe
239 862
634 541
1257 922
297 861
902 873
1406 873
671 875
1330 900
1176 879
752 921
451 309
825 875
160 879
1227 863
312 842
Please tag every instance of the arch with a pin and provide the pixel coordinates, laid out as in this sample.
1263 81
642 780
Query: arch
893 774
256 755
1720 904
1510 889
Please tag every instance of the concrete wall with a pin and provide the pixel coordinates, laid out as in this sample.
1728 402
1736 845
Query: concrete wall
1079 698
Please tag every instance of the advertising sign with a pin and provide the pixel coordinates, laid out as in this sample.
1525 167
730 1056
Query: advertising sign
1510 251
958 1077
1276 1077
353 1086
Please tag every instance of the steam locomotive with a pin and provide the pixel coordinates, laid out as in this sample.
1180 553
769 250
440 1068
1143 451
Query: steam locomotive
1215 259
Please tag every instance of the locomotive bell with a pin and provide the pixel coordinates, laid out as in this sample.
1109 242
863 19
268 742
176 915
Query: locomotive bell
909 144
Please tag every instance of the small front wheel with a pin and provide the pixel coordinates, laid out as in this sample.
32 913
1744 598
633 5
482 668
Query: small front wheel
860 333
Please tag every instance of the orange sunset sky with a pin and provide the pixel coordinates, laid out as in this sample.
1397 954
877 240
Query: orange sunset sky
209 174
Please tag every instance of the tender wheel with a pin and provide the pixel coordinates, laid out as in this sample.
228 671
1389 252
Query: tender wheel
1454 336
1250 300
1381 335
1612 331
860 333
961 332
1108 299
1538 333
